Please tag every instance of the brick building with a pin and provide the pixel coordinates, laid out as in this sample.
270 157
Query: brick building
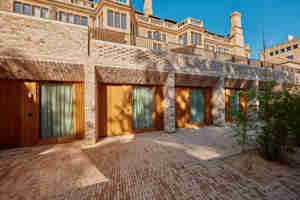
62 81
287 53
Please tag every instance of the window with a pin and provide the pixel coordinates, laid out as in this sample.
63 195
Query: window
117 20
17 7
56 111
77 19
206 46
156 46
196 38
272 53
149 34
36 11
110 17
157 35
185 39
295 46
142 108
124 21
276 52
84 21
27 9
70 18
197 105
289 48
290 57
62 16
44 13
282 50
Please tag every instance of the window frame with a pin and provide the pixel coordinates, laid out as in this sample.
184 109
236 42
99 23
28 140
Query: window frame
82 20
77 17
112 18
30 6
149 35
117 20
123 21
14 7
47 13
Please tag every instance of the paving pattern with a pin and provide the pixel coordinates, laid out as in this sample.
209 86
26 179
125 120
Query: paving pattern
190 164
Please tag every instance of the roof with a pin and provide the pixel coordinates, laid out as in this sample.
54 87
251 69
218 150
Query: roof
19 69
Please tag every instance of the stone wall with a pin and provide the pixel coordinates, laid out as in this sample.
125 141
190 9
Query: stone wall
46 41
41 39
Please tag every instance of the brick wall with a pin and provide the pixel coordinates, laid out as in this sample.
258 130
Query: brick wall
32 38
6 5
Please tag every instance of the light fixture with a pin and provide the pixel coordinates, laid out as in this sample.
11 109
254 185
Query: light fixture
30 95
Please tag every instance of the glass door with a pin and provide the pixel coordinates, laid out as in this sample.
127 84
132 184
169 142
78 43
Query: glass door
56 111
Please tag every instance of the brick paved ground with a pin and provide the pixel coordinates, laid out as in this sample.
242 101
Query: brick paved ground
186 165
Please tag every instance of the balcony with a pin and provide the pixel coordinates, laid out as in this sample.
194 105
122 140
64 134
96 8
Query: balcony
83 3
190 21
164 46
156 22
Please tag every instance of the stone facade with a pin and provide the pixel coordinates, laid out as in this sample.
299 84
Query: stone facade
48 42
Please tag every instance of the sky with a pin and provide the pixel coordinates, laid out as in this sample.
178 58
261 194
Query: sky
276 18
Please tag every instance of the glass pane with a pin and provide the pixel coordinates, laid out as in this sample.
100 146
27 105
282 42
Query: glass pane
70 18
17 7
142 100
44 12
197 105
84 21
36 12
62 16
117 20
56 115
77 19
110 18
234 103
27 9
124 21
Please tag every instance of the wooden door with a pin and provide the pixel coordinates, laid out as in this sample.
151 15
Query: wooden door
119 110
10 117
182 107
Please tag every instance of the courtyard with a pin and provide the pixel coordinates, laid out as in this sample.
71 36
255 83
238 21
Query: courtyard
202 163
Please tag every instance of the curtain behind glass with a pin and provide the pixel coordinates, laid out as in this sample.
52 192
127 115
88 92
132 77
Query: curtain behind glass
234 103
197 105
56 119
142 103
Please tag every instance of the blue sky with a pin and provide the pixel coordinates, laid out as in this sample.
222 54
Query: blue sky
277 18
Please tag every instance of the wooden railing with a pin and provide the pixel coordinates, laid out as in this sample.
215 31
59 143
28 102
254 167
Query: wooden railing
85 3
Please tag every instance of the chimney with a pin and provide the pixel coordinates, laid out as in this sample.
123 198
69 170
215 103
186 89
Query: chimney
148 7
236 30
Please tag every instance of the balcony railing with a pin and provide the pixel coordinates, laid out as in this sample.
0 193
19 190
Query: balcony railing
159 45
84 3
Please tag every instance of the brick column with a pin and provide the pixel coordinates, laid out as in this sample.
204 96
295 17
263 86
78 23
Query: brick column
218 110
169 104
90 105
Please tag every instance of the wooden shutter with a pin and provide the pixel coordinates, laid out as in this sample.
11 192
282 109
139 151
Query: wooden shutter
182 106
119 110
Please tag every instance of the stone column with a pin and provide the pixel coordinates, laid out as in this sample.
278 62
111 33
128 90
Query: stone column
90 104
218 110
169 104
255 86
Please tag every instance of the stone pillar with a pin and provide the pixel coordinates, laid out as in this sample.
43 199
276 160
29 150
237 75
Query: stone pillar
218 110
90 104
169 104
255 86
